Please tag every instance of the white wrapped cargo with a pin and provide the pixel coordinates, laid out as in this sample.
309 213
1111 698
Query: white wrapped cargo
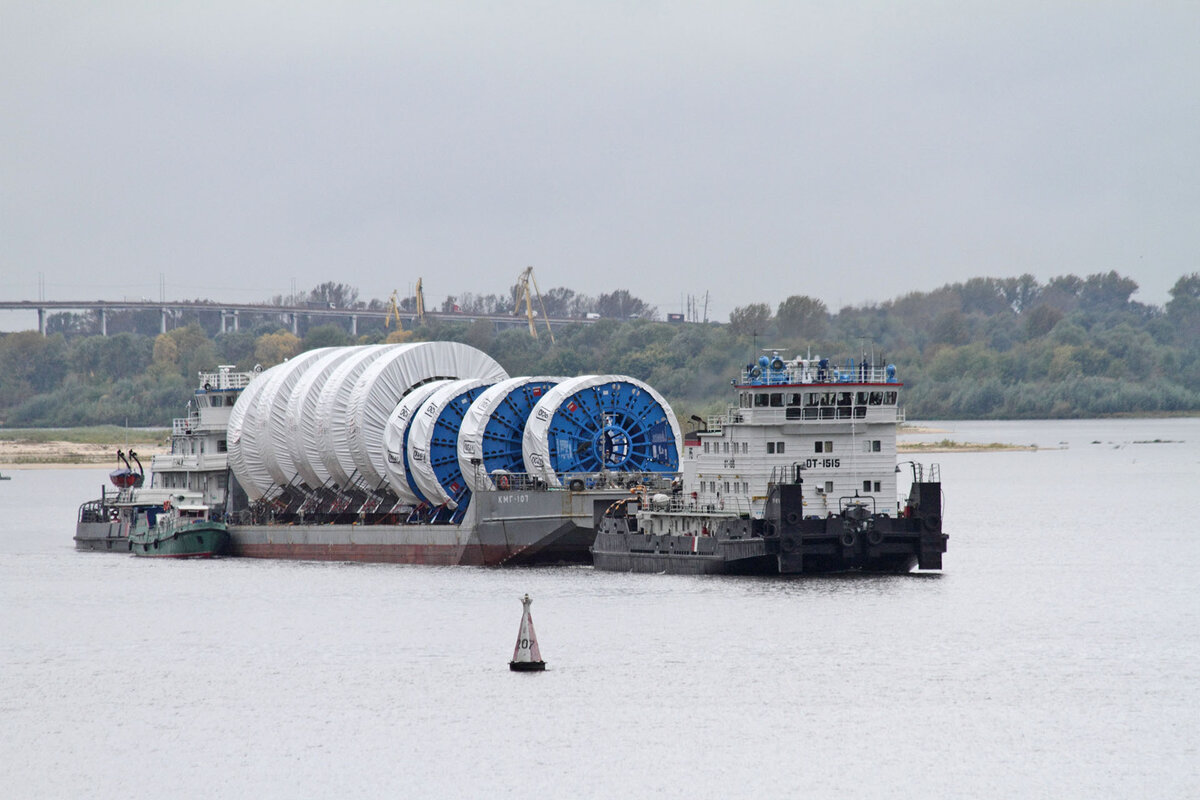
597 423
328 450
360 450
430 445
395 437
504 407
234 430
301 417
257 441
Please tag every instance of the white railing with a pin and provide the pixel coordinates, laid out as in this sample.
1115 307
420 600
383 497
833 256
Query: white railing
185 425
226 379
811 373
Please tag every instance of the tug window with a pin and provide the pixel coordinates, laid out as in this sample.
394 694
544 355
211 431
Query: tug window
828 487
706 447
889 398
222 447
726 447
794 399
777 400
823 447
779 447
217 400
745 447
861 398
877 486
843 398
872 445
876 398
761 400
770 448
866 486
812 399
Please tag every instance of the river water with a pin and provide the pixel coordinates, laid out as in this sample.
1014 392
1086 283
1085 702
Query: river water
1055 656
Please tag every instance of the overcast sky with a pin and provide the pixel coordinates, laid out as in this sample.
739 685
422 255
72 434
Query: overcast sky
846 150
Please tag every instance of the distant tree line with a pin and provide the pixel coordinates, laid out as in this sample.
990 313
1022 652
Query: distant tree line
986 348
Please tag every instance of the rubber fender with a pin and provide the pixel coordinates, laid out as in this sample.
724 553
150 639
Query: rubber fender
848 539
576 485
933 522
875 536
792 518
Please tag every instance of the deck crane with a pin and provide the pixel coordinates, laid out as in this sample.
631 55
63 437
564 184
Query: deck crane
524 282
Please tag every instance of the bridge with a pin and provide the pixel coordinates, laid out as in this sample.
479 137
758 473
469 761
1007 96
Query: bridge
230 313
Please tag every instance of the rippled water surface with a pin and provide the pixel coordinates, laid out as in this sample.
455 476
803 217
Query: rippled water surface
1055 656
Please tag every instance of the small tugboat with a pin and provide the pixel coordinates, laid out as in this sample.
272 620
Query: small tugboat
799 477
198 462
179 528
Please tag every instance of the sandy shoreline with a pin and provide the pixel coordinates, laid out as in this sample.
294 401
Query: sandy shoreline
20 455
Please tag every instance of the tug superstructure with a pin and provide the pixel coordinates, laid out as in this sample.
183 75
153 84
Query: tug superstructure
799 476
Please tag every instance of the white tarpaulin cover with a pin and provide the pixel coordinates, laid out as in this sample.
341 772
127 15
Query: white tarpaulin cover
384 383
301 418
478 416
393 439
257 446
236 425
537 447
420 437
330 449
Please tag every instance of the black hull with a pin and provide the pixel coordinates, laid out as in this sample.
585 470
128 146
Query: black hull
783 543
674 555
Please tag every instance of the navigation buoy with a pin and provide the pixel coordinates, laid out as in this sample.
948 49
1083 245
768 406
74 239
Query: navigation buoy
526 655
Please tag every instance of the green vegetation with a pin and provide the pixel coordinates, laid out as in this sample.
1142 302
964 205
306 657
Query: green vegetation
987 349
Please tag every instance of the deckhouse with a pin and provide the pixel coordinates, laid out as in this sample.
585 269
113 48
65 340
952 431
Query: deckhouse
835 423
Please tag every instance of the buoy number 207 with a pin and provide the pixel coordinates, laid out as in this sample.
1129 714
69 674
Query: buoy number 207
524 644
822 462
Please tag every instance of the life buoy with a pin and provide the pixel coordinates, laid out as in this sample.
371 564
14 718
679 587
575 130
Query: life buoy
502 483
166 505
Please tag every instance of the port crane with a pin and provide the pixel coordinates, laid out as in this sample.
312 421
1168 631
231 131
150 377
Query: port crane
393 308
419 299
393 312
526 289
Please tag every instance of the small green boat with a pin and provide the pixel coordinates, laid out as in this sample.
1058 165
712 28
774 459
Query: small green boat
177 529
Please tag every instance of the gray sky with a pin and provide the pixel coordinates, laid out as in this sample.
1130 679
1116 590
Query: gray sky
845 150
